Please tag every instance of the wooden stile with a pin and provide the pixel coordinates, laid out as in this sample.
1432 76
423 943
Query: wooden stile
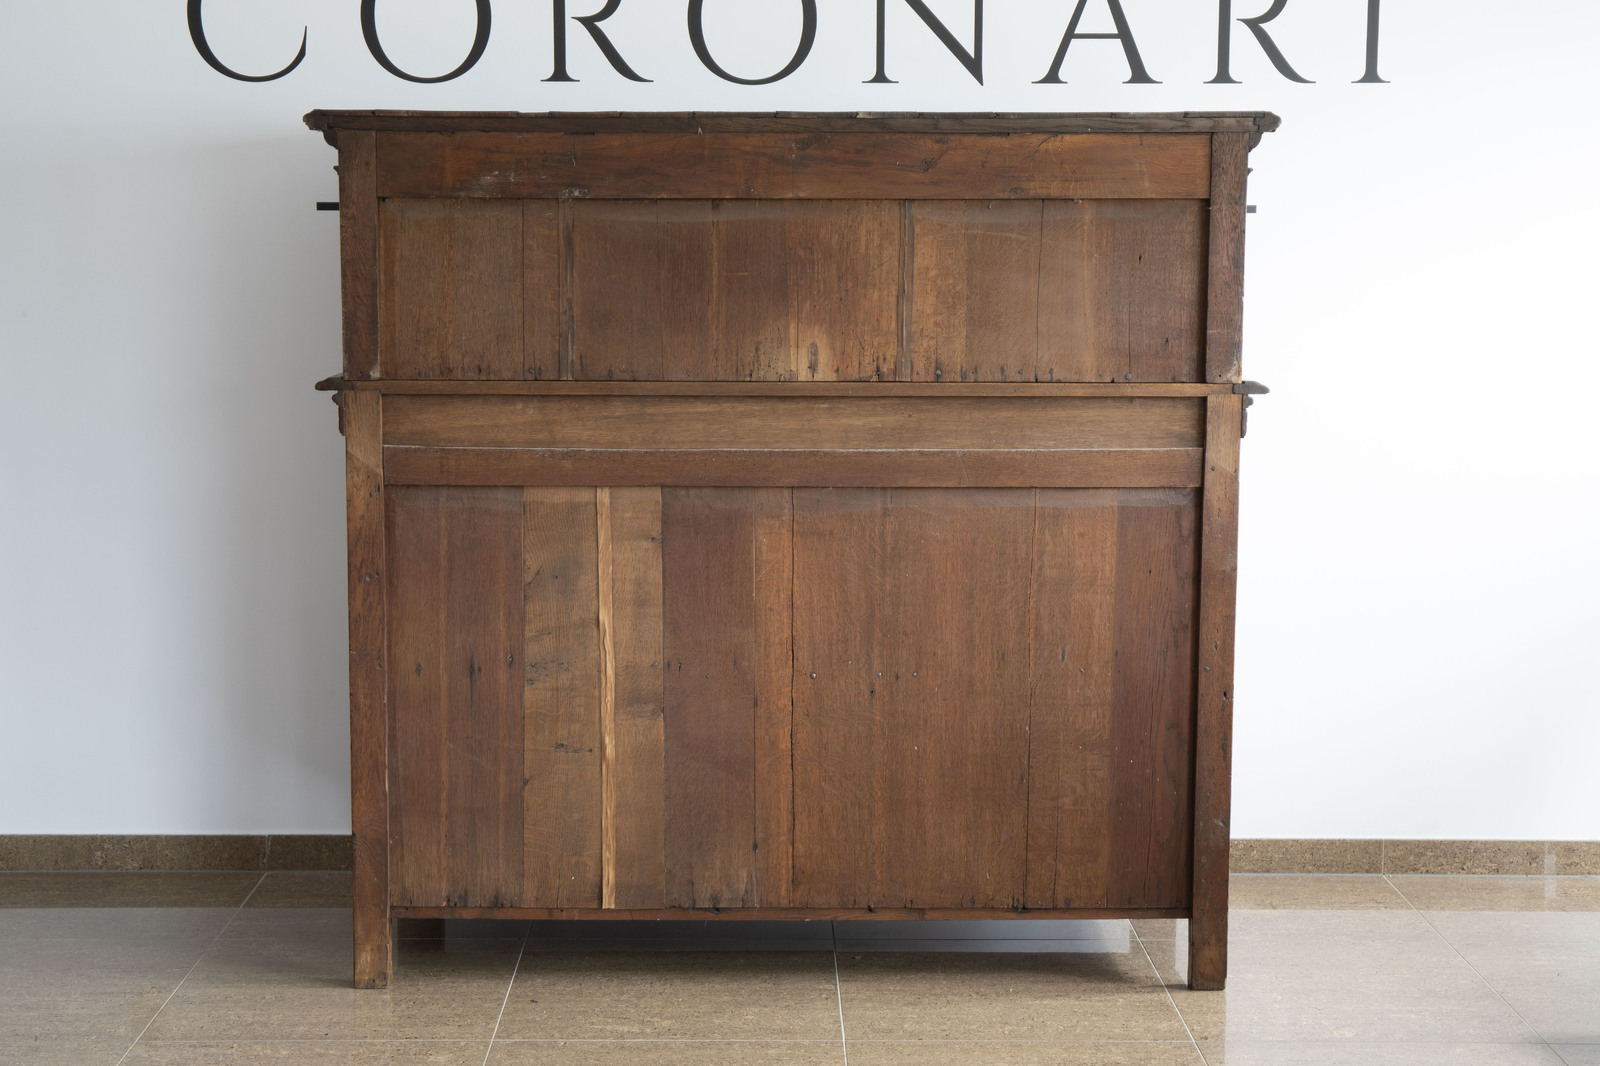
759 516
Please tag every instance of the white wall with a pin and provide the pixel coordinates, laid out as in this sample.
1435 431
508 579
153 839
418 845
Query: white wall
1417 617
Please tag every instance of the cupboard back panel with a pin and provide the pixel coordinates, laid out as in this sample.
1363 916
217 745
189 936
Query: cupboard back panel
794 290
740 697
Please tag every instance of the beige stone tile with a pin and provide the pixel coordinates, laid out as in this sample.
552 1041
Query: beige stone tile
290 923
1357 1053
1160 928
38 890
301 889
311 1052
1514 857
1545 964
127 852
293 852
1261 892
1572 857
112 923
1308 976
954 997
1306 856
1023 1053
266 990
62 990
1446 893
58 1051
683 931
666 1053
590 995
1001 929
1579 1054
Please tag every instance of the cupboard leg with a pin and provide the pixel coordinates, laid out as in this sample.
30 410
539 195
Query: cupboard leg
374 944
1208 951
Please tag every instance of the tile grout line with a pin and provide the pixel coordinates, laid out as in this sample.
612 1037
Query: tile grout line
838 992
203 952
1427 921
509 985
1157 971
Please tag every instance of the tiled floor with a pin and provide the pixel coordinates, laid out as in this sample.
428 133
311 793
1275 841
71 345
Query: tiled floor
238 969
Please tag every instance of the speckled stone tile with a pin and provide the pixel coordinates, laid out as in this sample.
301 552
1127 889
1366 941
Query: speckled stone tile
63 1051
591 995
126 852
1572 857
1306 856
301 889
1000 929
682 931
310 1052
1365 976
1513 857
667 1053
1326 892
248 990
113 923
1545 964
301 852
1023 1053
327 924
87 990
1010 997
1356 1053
38 890
1443 893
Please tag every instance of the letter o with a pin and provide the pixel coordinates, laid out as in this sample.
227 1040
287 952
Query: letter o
808 37
369 30
197 34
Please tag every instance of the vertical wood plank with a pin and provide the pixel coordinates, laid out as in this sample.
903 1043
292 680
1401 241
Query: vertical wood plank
936 310
844 288
708 639
1153 699
749 295
369 722
1002 294
608 701
686 261
616 290
1230 170
452 289
774 701
1219 551
358 251
1069 754
542 306
639 788
561 701
840 588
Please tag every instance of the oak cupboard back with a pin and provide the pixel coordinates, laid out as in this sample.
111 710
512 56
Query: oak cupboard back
791 515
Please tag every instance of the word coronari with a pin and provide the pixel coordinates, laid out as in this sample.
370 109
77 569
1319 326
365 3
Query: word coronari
969 58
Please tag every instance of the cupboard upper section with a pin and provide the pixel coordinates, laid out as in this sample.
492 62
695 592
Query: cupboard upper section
938 248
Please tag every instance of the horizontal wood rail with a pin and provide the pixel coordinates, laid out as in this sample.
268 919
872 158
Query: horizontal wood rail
932 389
769 914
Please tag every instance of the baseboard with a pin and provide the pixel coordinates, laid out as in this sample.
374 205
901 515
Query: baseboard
124 852
307 852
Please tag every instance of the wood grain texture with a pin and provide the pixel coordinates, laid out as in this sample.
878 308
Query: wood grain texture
541 289
708 642
911 674
452 289
1152 692
358 252
1230 171
562 696
1219 549
844 293
369 721
772 551
803 389
876 165
1065 468
638 763
456 623
775 914
1074 607
791 424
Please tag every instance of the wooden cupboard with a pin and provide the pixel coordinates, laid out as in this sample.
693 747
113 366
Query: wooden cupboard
791 515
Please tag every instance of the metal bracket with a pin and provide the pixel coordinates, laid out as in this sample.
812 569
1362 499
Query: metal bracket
1249 390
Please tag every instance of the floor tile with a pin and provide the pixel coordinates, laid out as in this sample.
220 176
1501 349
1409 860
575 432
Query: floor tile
590 995
63 1051
1354 1053
1004 929
708 943
1023 1053
1579 1054
1266 892
1545 964
113 923
688 931
1307 856
301 889
87 989
290 923
310 1052
38 890
1310 976
264 990
666 1053
1116 945
1444 893
1004 997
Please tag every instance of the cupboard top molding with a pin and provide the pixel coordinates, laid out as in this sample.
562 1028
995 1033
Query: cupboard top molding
330 123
